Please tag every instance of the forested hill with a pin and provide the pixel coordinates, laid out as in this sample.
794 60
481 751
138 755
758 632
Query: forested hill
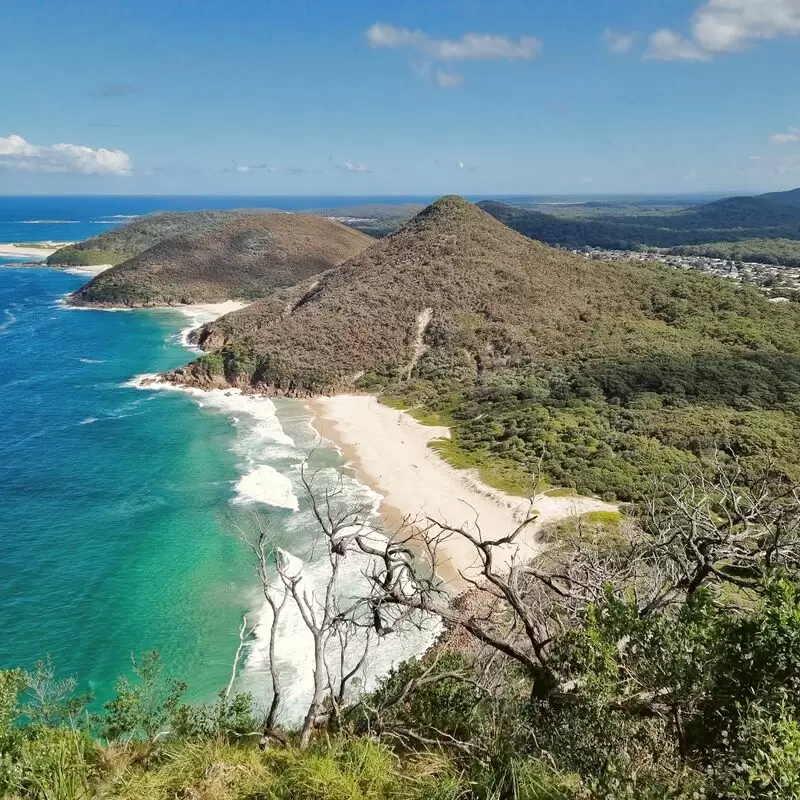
244 257
730 220
136 236
791 198
613 372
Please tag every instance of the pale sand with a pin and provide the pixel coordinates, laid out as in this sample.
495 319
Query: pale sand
389 451
86 270
201 313
43 252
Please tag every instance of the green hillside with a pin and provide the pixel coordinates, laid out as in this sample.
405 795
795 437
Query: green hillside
731 220
136 236
612 372
243 258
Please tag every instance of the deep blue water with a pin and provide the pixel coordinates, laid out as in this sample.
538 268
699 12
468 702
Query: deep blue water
67 219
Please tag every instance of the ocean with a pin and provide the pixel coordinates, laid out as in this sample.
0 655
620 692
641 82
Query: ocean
69 219
119 504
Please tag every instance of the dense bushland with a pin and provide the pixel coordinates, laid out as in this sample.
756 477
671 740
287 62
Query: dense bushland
734 219
610 372
136 236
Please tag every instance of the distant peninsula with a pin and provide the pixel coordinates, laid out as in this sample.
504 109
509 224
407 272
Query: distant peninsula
223 256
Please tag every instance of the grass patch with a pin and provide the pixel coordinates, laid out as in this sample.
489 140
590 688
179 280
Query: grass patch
419 413
505 476
562 491
608 518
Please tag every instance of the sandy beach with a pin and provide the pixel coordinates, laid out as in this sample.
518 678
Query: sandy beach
389 451
47 249
96 269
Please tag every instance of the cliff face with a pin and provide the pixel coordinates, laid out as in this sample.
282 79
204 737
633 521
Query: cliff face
244 258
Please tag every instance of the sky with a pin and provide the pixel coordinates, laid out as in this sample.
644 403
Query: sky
369 97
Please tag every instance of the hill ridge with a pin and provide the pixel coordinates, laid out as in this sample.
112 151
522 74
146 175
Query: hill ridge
244 258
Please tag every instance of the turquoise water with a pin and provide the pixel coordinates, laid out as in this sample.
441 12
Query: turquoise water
111 499
119 502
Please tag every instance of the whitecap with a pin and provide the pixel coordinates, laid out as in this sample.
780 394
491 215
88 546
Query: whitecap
266 485
10 319
88 421
91 361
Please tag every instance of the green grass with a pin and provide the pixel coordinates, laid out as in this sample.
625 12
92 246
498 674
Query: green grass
562 492
422 415
505 476
339 768
77 257
607 518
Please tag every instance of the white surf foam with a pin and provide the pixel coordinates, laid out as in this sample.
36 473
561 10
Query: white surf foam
266 485
295 644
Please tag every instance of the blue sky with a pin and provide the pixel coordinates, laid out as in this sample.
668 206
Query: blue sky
407 97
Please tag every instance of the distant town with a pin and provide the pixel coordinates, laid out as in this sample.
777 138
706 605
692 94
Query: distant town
778 282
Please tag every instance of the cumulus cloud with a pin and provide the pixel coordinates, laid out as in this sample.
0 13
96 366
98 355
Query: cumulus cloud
666 45
18 154
348 166
470 47
719 26
790 137
618 43
245 168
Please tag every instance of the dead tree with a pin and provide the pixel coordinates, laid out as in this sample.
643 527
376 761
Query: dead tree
726 527
256 537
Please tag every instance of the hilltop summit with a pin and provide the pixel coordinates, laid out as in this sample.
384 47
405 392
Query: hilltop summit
452 281
609 372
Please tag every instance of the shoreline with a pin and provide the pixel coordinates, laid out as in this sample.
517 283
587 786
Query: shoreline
389 451
11 249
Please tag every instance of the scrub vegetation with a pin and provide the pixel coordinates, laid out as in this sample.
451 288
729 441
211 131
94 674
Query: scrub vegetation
609 373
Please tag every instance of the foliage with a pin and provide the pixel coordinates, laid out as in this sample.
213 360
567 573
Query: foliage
222 256
73 256
733 219
145 705
785 252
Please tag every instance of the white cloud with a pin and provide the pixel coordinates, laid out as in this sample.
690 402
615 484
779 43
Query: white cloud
666 45
790 137
470 47
719 26
618 43
462 165
448 80
245 168
18 154
348 166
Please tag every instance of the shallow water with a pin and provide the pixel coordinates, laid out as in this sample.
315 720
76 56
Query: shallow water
118 504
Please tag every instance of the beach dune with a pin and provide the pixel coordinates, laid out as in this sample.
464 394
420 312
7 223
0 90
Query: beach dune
389 450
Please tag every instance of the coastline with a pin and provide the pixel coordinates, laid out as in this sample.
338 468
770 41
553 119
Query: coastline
10 249
389 451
